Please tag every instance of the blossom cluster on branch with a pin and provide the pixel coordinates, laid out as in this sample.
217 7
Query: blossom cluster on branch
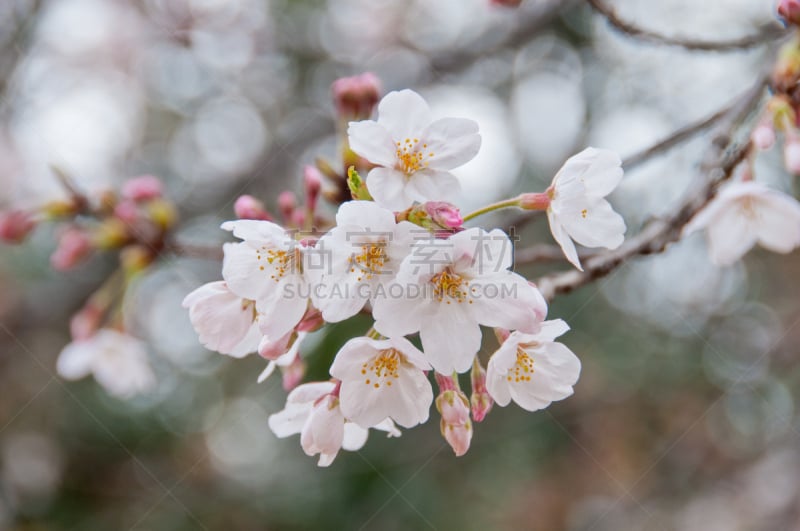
397 249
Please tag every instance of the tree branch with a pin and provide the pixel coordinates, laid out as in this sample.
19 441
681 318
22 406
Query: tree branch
632 30
659 233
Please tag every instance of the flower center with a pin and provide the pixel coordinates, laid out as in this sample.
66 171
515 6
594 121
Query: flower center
522 369
279 262
748 208
411 156
382 367
370 261
451 285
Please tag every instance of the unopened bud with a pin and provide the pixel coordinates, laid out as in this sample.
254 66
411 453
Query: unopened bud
445 215
162 213
789 10
358 188
73 246
763 137
143 188
16 225
311 321
787 67
272 350
127 211
248 207
86 321
791 156
481 401
355 97
61 208
135 258
534 201
293 373
455 424
287 203
312 183
112 233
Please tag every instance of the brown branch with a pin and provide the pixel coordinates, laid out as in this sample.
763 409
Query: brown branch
654 238
544 252
680 135
749 41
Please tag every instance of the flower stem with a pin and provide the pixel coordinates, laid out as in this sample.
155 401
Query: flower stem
508 203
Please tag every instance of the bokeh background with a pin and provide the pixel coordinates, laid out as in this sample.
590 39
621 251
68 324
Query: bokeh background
684 417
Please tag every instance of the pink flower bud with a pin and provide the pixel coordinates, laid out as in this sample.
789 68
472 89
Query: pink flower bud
791 156
455 424
312 182
763 137
789 10
86 322
287 203
143 188
534 201
311 321
73 246
481 401
15 226
444 214
127 211
248 207
273 350
293 373
356 96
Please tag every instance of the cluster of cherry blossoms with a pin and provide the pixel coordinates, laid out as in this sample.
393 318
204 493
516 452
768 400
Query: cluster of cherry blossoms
393 251
401 254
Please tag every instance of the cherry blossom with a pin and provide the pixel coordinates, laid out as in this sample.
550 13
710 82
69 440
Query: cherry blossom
413 153
117 360
383 378
267 267
362 252
578 210
313 411
533 370
744 214
450 287
224 322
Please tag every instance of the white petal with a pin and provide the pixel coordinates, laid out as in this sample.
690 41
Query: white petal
282 315
404 113
220 318
594 223
355 437
598 170
506 300
562 238
366 215
290 420
431 185
778 224
730 237
75 360
387 188
256 230
373 142
452 142
479 252
450 338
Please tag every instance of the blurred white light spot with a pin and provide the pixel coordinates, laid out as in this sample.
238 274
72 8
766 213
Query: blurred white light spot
230 134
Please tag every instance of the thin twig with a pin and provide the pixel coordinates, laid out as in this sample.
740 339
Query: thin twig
659 233
749 41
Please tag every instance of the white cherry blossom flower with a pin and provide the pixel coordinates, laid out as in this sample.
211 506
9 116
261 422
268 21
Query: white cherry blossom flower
117 360
413 153
578 210
744 214
533 370
383 378
224 322
267 267
313 412
364 250
447 288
